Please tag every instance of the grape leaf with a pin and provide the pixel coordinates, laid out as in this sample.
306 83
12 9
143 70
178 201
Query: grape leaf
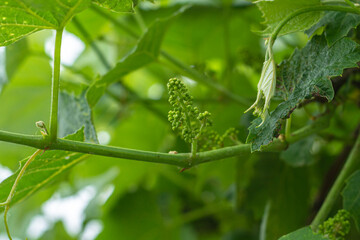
116 5
306 74
20 18
11 58
41 171
145 52
275 11
15 56
299 154
337 25
351 197
271 185
303 234
3 75
74 113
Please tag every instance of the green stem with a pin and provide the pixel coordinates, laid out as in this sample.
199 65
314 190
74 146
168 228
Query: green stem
194 148
349 167
288 127
140 21
229 63
332 2
6 223
264 221
117 23
55 87
351 4
89 41
12 191
195 75
181 159
306 10
184 69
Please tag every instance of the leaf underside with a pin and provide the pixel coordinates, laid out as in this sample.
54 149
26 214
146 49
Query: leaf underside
74 113
336 25
116 5
299 154
275 11
44 168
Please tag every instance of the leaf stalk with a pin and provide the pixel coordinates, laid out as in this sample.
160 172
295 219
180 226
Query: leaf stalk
55 87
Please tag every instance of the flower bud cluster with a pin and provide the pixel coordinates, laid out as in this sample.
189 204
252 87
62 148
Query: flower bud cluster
192 125
337 227
211 140
204 118
184 116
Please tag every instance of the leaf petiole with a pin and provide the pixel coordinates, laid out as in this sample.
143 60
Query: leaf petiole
12 191
288 127
55 87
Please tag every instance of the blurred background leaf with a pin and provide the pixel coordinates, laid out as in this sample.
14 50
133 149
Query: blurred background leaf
103 198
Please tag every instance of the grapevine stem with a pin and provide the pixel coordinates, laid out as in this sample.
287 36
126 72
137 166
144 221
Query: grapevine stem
55 88
193 148
351 4
87 38
12 191
288 127
306 10
181 159
349 167
140 21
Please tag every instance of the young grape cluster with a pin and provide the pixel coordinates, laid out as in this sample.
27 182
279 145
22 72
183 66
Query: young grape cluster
192 124
337 227
211 140
184 116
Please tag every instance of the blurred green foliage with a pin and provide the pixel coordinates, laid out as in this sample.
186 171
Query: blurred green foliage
124 199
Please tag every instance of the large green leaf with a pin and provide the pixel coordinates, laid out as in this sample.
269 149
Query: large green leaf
300 153
291 206
11 58
303 234
75 113
275 11
145 52
117 5
265 185
23 17
15 56
305 74
351 196
122 220
44 168
337 25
